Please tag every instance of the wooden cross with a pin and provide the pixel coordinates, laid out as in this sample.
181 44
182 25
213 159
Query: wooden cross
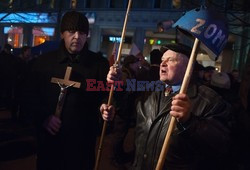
64 84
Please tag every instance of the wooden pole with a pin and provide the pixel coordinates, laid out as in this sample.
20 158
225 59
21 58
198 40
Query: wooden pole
99 152
183 89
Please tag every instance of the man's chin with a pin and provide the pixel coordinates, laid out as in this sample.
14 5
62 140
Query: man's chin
163 79
74 51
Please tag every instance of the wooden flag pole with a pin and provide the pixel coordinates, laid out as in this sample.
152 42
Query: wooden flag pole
99 152
183 89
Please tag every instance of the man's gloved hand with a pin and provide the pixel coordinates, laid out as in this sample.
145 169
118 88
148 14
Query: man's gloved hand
52 124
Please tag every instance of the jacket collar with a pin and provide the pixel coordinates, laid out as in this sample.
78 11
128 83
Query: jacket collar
175 87
191 92
65 57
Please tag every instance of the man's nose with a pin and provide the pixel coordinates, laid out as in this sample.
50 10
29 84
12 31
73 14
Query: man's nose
77 34
163 63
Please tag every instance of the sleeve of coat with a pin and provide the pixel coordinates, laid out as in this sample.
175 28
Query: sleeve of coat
208 130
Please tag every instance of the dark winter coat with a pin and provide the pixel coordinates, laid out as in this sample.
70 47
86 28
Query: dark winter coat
73 148
201 143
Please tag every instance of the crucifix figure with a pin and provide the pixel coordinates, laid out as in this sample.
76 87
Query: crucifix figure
64 85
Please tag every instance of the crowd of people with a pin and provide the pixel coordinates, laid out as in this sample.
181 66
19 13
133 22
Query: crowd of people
212 129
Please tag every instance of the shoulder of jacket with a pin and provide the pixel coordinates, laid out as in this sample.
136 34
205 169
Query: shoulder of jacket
48 55
148 95
208 93
94 56
45 58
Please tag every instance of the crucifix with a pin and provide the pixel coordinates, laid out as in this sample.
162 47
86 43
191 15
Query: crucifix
64 84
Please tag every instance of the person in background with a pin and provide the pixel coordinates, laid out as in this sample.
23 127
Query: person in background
236 75
9 72
142 73
155 61
242 128
220 82
25 62
208 72
26 53
234 88
125 117
199 71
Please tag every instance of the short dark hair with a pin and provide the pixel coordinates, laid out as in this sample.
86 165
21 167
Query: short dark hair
129 60
7 47
209 68
25 48
155 56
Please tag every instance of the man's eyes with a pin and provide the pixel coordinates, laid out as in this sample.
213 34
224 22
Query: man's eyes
80 32
172 59
169 59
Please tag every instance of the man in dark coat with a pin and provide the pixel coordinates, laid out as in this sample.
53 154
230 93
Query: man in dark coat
201 138
9 73
68 142
155 61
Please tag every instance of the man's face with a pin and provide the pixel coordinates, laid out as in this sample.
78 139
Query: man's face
173 67
235 75
74 40
27 53
208 75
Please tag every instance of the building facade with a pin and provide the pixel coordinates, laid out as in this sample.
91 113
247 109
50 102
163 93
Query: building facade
33 22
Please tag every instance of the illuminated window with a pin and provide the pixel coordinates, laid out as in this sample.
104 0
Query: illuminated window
158 42
91 17
151 41
73 4
176 4
14 36
11 3
42 34
52 4
115 39
28 18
